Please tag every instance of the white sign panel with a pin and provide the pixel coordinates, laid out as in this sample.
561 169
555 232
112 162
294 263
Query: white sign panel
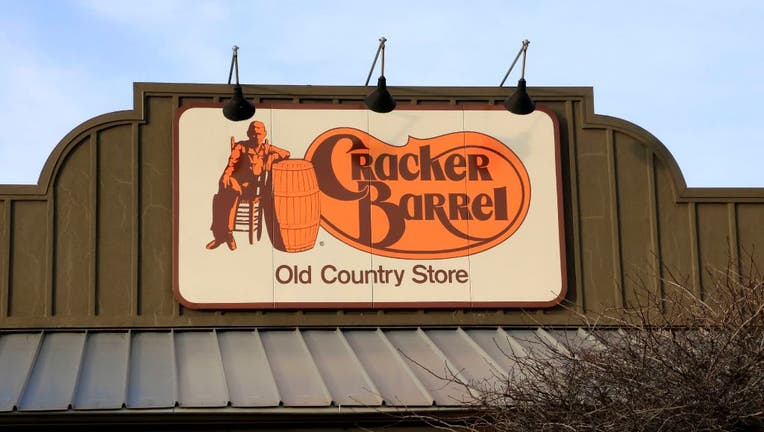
341 207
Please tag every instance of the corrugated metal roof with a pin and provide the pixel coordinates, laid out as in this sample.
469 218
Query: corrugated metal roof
255 368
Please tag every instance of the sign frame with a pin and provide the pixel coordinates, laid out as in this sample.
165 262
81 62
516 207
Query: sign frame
376 305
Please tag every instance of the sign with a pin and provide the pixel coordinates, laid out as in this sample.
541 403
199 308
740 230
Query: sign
338 207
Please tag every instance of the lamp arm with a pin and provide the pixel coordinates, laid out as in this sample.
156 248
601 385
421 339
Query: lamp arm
522 51
381 49
234 63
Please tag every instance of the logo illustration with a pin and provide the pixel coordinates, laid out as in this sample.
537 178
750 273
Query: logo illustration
441 197
259 181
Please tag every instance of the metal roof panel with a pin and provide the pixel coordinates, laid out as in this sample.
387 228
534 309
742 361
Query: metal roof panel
103 373
152 371
532 342
396 383
17 356
52 383
248 373
498 344
297 377
477 367
340 369
440 377
201 381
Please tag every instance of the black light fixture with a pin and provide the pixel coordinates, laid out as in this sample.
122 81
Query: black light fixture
519 102
380 100
237 108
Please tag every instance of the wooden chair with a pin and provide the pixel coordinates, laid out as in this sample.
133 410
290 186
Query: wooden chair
249 218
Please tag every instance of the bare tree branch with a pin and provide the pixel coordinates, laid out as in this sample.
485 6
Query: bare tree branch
669 361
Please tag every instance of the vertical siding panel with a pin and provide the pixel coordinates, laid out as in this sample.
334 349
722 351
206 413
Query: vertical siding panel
733 237
572 229
72 232
29 267
635 213
50 264
594 190
750 246
156 296
93 250
5 256
178 309
655 257
675 232
115 227
135 241
637 216
713 242
697 266
615 228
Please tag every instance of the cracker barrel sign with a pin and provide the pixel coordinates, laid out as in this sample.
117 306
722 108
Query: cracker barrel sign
423 208
320 207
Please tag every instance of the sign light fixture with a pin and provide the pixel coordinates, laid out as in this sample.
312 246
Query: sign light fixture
380 100
519 102
238 108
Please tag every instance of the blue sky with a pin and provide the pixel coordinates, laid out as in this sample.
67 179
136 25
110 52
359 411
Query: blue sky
689 72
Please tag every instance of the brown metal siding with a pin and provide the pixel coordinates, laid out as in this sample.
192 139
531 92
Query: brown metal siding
675 230
90 246
75 219
155 204
30 271
5 255
713 239
636 217
116 228
596 212
750 220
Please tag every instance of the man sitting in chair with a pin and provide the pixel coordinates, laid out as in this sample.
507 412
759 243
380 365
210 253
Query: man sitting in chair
248 161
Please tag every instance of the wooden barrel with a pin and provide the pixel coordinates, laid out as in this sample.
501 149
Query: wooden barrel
296 203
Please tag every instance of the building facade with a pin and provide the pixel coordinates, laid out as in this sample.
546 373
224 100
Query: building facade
97 331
